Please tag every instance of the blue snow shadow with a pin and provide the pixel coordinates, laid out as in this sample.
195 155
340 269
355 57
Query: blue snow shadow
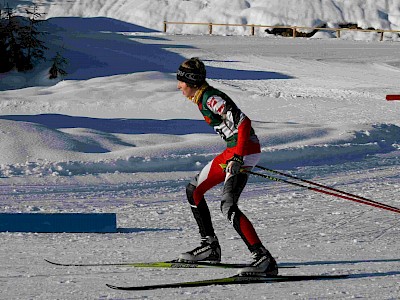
98 47
341 262
142 229
118 125
100 24
352 262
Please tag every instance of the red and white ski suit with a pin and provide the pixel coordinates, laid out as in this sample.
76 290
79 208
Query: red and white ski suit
235 128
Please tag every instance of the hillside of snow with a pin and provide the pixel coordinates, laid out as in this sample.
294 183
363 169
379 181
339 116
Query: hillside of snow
119 104
379 14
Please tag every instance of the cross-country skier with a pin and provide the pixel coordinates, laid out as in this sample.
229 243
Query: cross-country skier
242 153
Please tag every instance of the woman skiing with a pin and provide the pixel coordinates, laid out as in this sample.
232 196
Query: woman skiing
242 153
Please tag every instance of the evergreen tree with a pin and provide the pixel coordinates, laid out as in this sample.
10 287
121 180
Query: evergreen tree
57 68
7 40
21 46
30 44
5 64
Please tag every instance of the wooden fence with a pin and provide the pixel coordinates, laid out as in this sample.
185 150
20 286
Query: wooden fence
293 28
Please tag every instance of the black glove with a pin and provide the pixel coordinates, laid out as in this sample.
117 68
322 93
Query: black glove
234 164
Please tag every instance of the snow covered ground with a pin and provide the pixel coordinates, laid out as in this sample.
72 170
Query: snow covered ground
117 136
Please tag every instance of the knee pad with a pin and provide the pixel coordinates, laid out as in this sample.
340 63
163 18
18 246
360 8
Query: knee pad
225 208
232 189
228 209
189 193
234 186
232 213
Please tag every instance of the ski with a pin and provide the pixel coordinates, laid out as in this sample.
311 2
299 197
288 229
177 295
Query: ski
162 264
236 279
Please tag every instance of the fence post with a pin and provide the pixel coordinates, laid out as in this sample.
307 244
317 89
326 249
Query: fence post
293 28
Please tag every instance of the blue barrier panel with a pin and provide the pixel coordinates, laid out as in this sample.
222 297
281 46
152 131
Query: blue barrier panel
58 222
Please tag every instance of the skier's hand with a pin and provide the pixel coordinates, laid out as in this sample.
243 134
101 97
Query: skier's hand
234 164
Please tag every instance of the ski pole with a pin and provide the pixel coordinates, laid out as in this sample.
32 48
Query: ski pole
325 187
377 204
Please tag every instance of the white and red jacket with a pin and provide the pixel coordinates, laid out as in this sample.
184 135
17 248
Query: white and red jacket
220 112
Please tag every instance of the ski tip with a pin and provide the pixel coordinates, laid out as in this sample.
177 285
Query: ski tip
132 288
52 262
60 264
112 286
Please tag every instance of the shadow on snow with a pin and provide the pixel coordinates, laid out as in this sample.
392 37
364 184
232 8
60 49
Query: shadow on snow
125 126
135 230
97 47
341 262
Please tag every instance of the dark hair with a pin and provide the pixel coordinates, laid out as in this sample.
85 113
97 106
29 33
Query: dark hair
192 71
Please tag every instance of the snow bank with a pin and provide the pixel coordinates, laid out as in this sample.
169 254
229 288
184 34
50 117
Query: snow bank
35 149
312 102
383 14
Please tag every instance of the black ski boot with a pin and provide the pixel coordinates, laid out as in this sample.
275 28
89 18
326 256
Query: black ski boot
264 264
209 250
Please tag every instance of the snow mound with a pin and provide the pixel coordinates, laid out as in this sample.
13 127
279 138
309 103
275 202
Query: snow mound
35 149
22 140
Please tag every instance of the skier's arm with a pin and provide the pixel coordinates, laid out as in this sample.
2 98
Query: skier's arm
244 129
236 162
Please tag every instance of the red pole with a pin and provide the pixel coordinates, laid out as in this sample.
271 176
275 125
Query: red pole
327 188
374 204
392 97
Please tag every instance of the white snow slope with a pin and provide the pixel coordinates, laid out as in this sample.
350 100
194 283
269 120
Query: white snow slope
117 136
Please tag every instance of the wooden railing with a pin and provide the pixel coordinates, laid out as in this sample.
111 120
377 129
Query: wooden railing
293 28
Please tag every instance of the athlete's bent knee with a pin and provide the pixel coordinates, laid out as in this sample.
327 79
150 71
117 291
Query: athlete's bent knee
189 193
